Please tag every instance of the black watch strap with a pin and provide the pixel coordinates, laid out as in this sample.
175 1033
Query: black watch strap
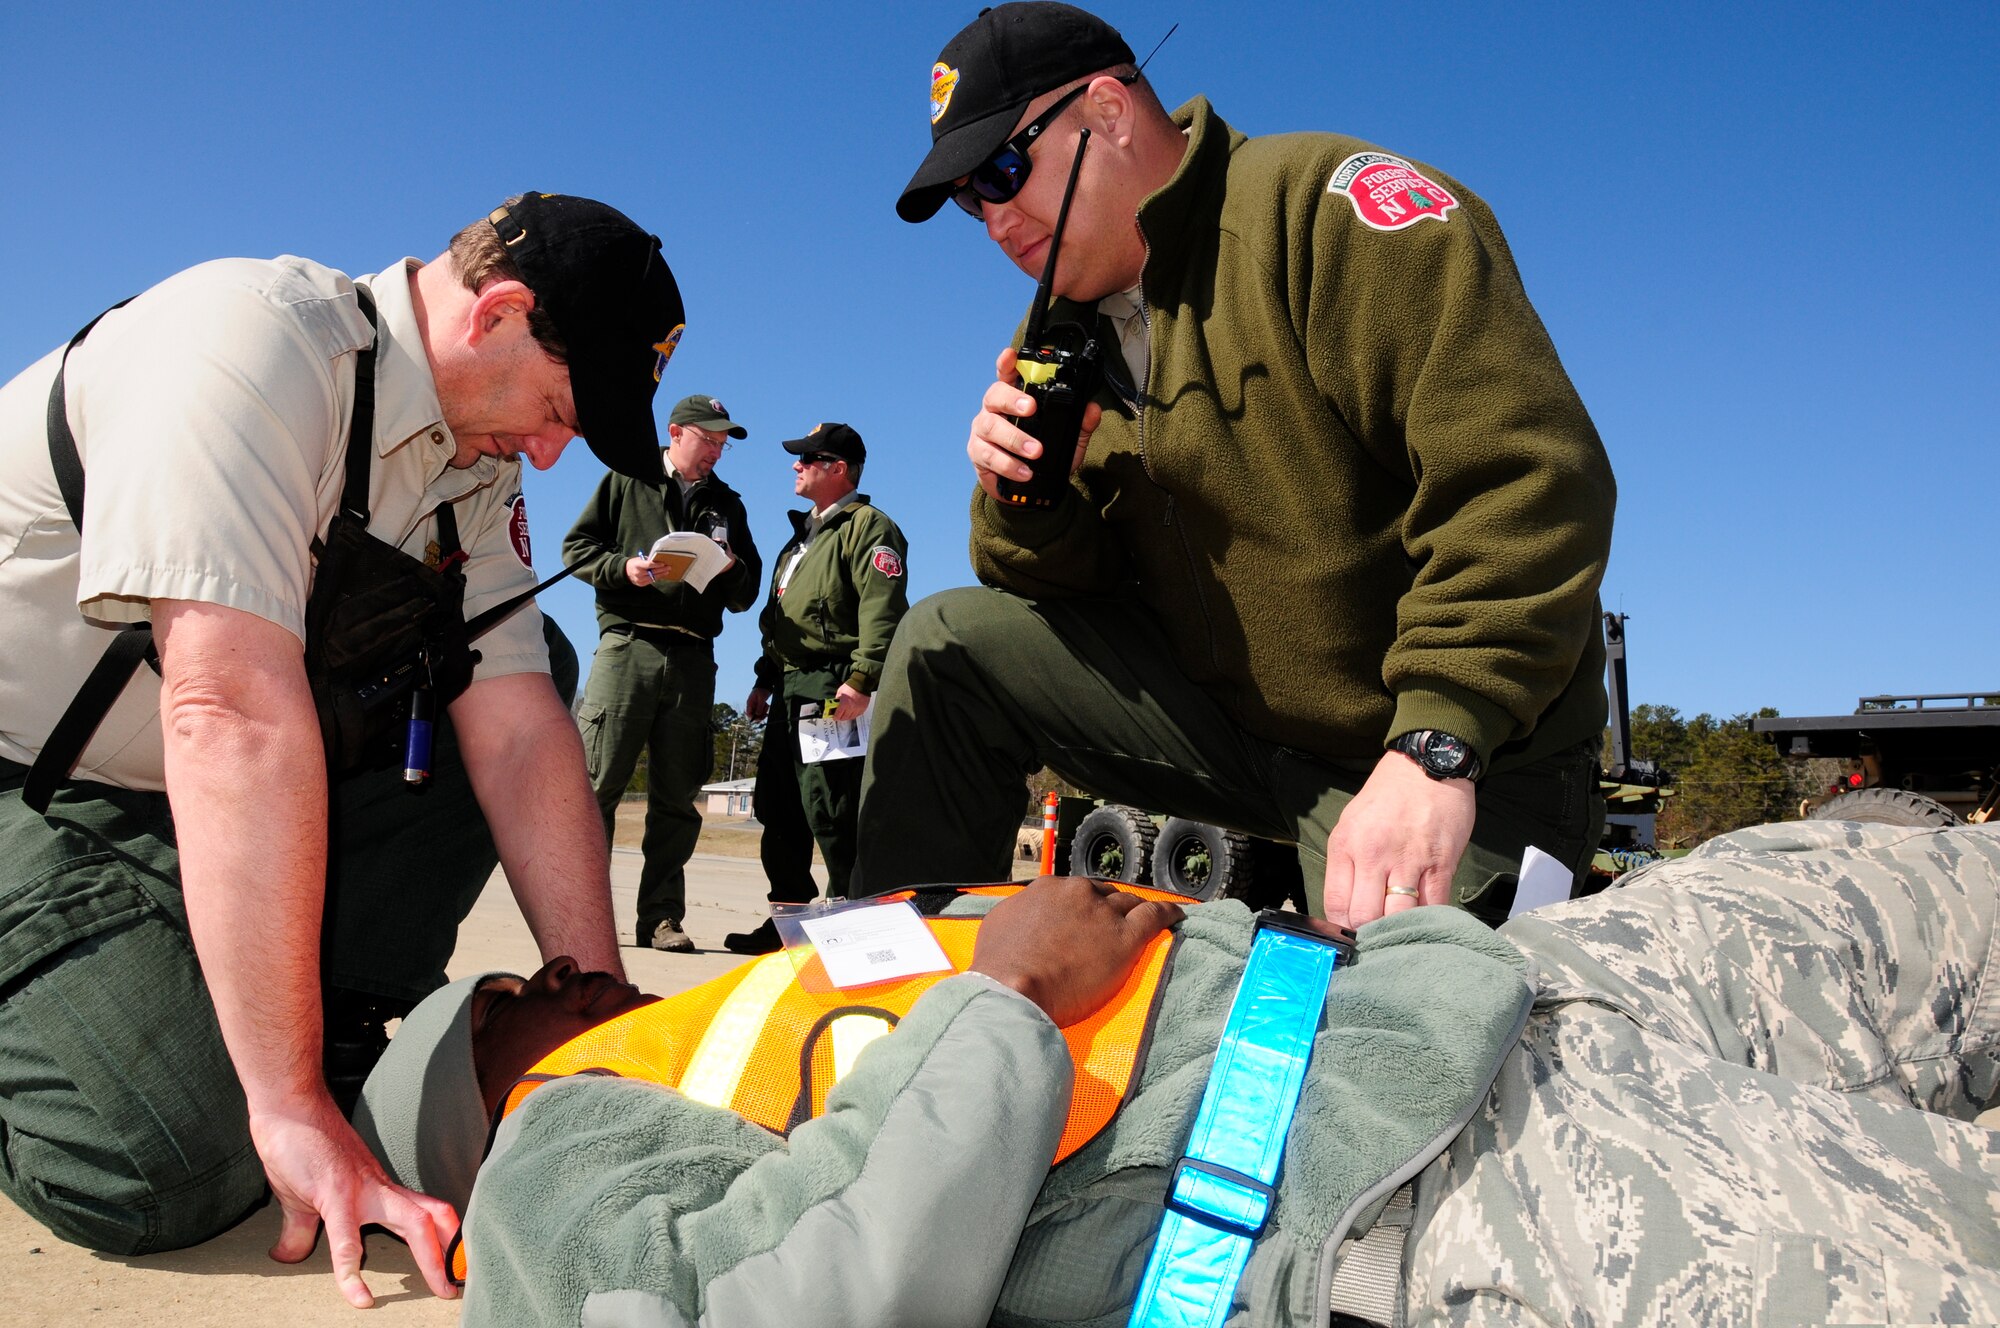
1439 754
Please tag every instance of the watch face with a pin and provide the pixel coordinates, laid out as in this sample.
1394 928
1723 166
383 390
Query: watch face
1444 754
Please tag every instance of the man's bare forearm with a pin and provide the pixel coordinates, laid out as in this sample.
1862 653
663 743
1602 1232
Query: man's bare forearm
247 783
526 763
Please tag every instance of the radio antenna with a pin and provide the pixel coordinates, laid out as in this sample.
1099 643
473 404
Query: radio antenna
1039 314
1156 48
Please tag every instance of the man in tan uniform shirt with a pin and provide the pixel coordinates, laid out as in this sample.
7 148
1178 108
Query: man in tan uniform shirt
150 1087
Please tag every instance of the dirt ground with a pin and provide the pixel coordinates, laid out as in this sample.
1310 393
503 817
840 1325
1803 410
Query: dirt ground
730 836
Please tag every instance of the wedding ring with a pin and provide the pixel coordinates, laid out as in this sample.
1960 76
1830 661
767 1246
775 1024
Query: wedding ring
1407 891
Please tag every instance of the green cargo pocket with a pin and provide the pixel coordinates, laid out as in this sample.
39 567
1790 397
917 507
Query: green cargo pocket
70 902
590 722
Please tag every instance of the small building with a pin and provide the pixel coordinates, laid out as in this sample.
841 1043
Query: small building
731 797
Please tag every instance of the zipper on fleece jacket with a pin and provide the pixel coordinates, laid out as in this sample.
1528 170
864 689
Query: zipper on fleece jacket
1146 465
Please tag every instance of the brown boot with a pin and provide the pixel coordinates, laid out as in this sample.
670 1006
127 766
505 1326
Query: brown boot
668 936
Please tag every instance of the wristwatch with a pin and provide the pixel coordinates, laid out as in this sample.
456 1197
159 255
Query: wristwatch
1441 755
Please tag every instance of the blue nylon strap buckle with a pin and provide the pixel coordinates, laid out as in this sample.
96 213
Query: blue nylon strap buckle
1203 1191
1221 1195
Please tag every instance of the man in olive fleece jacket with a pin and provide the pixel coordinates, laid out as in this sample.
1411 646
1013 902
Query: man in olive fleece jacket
1327 570
652 684
838 591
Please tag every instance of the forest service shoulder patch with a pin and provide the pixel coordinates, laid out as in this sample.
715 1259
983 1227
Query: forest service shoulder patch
1388 193
517 530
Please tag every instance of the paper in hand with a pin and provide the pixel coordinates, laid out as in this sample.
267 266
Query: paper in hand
686 556
825 739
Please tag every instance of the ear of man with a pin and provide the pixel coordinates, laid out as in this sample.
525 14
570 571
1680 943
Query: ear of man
494 305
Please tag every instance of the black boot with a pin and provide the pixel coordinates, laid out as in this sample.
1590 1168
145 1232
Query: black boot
356 1036
761 941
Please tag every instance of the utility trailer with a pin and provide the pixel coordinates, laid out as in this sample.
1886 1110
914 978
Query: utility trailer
1932 759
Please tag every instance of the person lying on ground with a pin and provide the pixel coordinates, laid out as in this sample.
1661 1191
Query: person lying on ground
1740 1084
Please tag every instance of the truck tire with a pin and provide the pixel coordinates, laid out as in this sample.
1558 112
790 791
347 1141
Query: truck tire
1114 843
1276 879
1885 806
1202 861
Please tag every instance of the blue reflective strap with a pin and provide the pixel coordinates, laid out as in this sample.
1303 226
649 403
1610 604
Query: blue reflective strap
1220 1198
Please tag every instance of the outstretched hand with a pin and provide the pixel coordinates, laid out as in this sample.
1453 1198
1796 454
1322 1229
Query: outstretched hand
1068 943
1397 843
321 1172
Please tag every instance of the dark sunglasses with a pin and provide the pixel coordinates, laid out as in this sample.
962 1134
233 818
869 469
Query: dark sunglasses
1001 176
819 459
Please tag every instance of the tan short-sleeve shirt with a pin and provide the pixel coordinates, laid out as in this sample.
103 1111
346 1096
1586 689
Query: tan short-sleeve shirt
211 414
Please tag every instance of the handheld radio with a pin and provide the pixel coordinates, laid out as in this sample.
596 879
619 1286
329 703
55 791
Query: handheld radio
1058 368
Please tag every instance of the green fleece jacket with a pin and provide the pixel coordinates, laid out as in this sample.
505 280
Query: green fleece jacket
625 516
610 1201
843 601
1358 489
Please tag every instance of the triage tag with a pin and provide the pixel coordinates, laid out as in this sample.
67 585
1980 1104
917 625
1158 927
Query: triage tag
863 946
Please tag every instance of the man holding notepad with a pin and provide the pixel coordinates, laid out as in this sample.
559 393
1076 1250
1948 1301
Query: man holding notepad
660 600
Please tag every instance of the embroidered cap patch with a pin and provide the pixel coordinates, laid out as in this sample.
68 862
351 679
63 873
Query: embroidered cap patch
944 82
1388 193
664 350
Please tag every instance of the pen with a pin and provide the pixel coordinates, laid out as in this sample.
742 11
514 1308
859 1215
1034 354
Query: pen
651 575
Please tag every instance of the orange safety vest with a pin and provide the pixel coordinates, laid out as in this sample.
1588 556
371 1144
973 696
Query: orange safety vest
770 1038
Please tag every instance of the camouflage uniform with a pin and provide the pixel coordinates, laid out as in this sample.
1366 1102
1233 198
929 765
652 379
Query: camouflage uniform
1708 1117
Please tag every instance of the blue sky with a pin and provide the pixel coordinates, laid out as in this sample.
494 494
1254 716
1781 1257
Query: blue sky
1763 238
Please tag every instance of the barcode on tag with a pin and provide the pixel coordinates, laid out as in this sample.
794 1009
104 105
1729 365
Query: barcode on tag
874 943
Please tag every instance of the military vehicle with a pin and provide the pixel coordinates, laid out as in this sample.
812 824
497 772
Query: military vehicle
1931 759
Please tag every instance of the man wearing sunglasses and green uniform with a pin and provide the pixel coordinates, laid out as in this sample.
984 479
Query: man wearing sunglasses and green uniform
838 591
1327 568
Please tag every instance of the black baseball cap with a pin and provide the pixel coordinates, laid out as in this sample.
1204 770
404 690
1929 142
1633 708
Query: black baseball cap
705 412
1001 61
616 306
838 440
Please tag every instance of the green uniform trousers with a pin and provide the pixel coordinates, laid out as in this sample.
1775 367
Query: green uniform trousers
653 694
122 1125
799 803
982 688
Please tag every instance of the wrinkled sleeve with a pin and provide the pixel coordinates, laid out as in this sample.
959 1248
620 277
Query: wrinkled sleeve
740 582
594 538
205 466
1062 551
615 1202
882 596
495 573
1426 343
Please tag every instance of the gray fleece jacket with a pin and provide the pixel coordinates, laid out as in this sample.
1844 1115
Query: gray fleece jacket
924 1194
